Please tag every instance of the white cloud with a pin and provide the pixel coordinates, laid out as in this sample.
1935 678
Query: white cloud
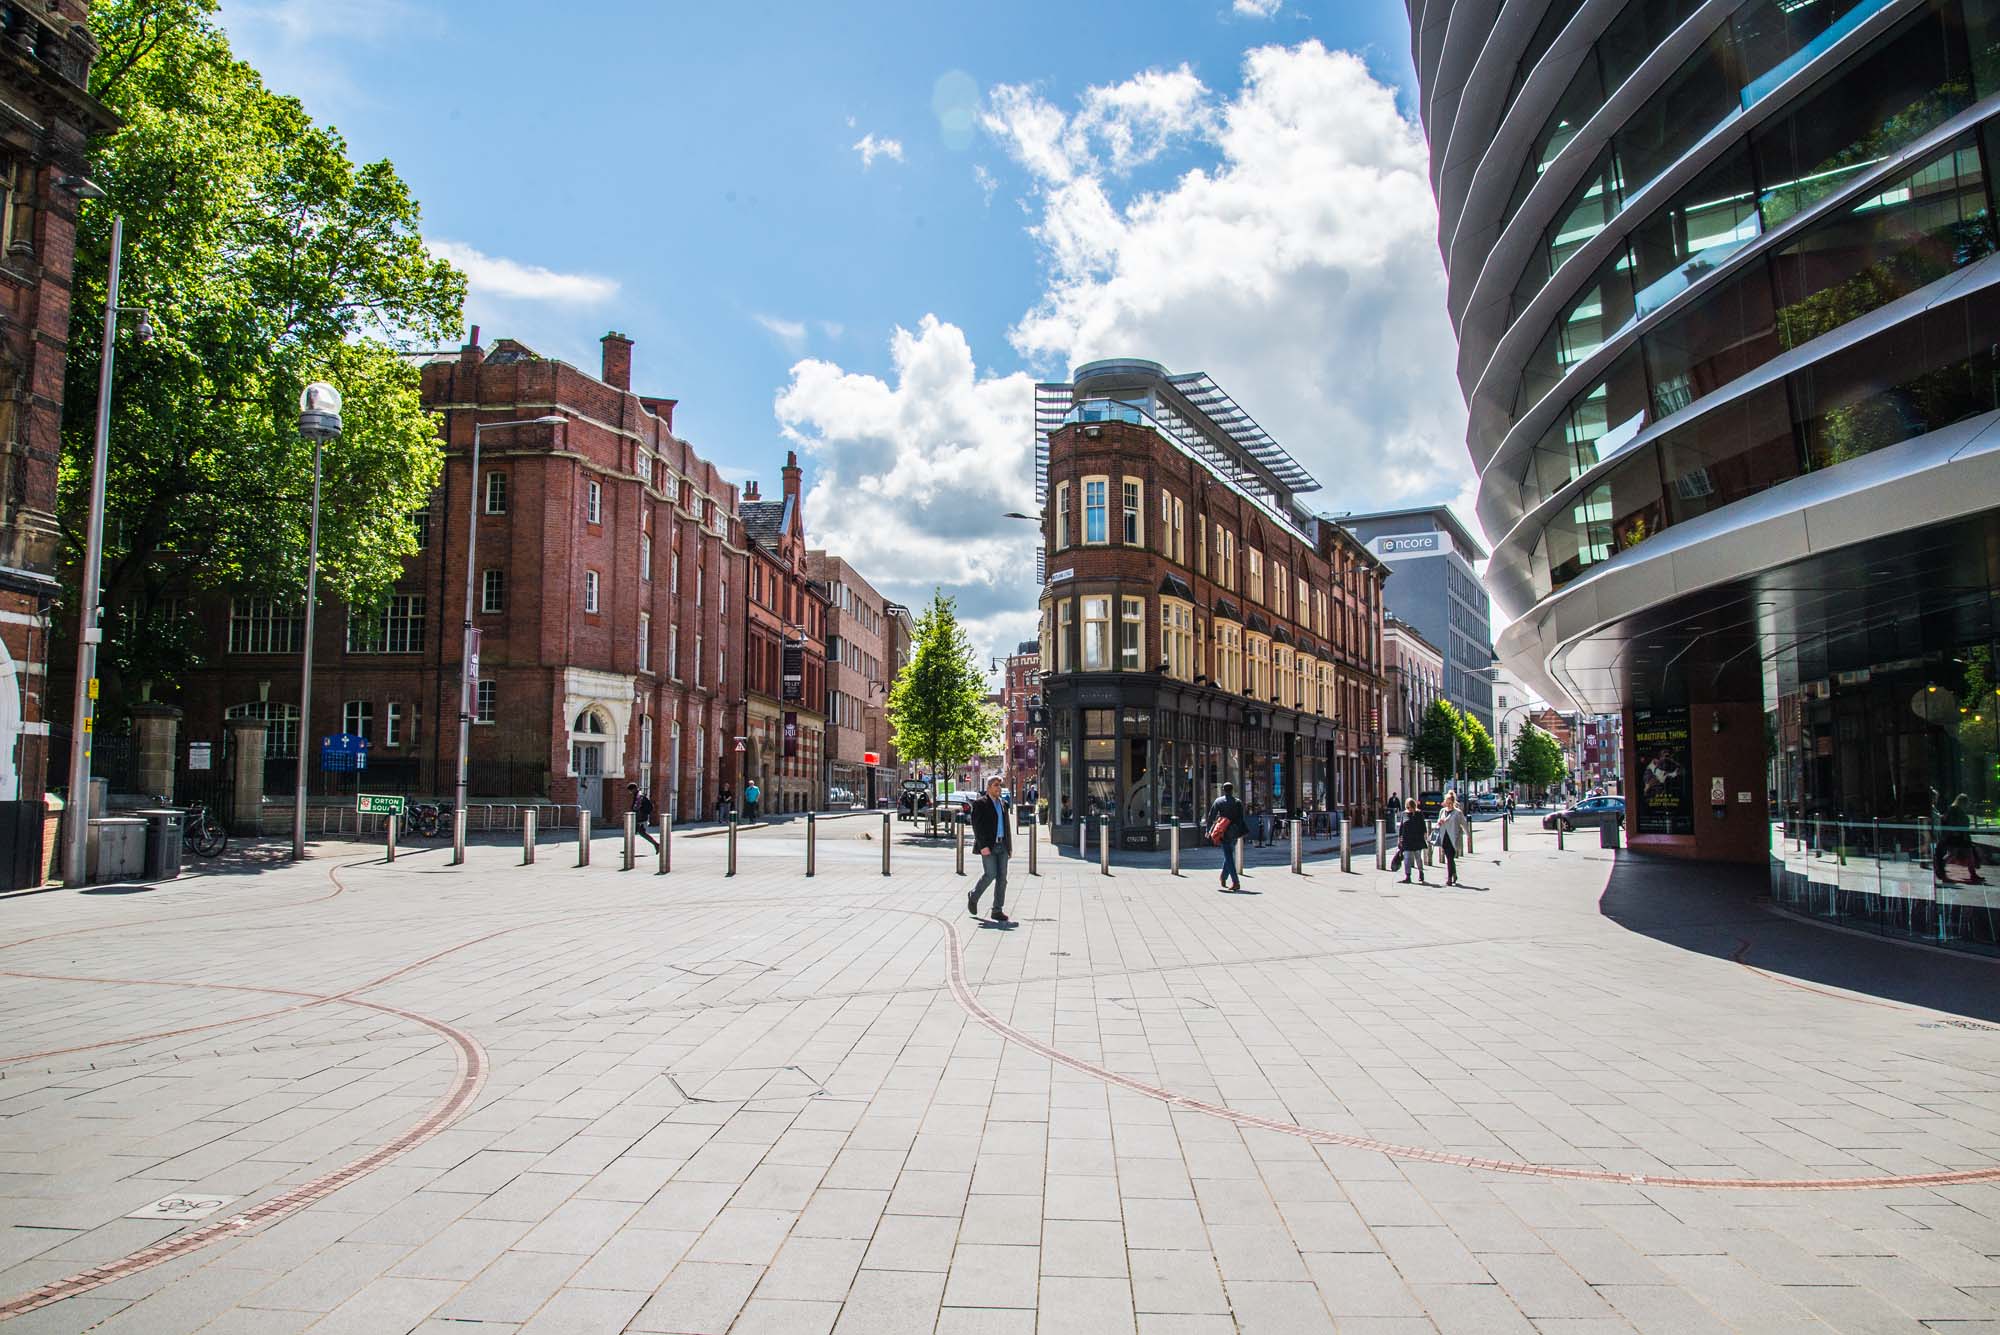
987 182
1258 9
792 333
913 474
1300 267
871 148
493 276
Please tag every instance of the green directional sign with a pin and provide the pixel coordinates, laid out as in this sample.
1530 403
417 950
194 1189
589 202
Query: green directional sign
378 804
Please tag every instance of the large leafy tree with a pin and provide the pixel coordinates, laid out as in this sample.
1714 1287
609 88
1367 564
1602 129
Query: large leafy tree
1537 761
266 259
937 705
1452 743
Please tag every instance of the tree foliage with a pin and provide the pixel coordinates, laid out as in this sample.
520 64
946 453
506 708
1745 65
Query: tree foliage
1537 761
937 705
1452 743
266 259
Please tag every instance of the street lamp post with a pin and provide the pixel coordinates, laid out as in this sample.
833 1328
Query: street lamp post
465 666
319 422
90 630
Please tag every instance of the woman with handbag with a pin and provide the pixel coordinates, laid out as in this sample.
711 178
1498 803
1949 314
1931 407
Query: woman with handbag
1410 843
1450 835
1225 827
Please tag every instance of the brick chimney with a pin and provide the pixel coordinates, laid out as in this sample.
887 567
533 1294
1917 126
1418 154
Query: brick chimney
472 354
791 473
750 490
617 360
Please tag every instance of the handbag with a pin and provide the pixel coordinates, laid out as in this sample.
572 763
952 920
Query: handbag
1218 830
1396 863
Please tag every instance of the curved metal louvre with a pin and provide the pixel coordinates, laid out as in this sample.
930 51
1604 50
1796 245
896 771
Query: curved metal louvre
1201 391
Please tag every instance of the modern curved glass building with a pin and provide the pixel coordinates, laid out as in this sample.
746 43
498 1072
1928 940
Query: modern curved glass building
1726 282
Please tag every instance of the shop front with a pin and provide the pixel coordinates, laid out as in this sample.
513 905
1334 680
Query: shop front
1148 754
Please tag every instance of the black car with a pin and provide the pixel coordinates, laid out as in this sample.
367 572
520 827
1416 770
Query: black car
1592 811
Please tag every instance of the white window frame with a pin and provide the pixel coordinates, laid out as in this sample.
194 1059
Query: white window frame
493 590
673 651
590 591
646 557
1132 503
392 724
593 503
1131 634
486 701
1098 652
697 658
1100 485
495 495
645 641
358 717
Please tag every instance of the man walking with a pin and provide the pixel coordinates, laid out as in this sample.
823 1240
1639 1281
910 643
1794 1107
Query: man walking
642 812
752 794
994 843
1227 813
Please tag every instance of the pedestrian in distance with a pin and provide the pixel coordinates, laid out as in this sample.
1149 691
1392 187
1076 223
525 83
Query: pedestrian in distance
724 800
642 811
1410 843
752 795
1450 835
994 843
1226 826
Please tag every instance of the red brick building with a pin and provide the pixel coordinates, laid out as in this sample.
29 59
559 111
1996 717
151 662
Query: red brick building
858 674
46 53
785 632
1199 626
1020 690
608 564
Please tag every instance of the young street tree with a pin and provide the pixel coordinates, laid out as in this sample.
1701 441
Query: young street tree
266 259
937 706
1537 761
1453 744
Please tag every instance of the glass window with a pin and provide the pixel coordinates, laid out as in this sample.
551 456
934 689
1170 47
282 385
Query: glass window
673 651
420 526
645 556
1712 342
357 717
1134 531
590 590
281 737
594 503
392 725
493 590
397 628
1177 638
1255 559
1096 634
265 626
1062 515
1096 523
496 493
645 642
1131 634
1063 635
488 702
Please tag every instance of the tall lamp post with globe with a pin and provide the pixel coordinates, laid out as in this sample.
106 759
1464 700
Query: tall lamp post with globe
319 422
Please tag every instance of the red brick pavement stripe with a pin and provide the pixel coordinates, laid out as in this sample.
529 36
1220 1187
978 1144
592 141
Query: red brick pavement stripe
961 991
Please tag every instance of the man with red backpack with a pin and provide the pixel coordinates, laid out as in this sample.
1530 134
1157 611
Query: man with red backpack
1225 827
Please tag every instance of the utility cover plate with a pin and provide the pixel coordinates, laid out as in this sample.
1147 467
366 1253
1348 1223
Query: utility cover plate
190 1206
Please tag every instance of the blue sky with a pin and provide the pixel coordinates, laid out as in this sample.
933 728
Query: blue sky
861 231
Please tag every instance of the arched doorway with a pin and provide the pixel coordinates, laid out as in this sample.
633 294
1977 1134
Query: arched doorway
586 760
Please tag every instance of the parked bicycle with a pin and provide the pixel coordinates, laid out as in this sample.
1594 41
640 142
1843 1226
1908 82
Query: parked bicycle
428 820
203 833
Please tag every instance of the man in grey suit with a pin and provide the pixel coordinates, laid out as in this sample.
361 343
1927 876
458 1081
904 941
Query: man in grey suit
993 840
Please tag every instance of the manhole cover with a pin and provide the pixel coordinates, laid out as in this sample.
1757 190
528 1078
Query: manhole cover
181 1207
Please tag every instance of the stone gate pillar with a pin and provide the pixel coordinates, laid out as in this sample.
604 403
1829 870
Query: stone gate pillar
157 729
247 737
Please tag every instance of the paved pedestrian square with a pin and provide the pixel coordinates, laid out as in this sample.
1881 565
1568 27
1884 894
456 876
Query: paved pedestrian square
1580 1092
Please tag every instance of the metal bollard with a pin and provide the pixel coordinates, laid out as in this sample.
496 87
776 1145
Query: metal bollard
1032 841
886 836
528 821
631 839
1559 836
666 845
731 871
1082 831
390 826
1174 848
958 843
1381 845
1346 845
1468 838
457 837
812 839
1506 832
582 838
1430 855
1298 851
1104 847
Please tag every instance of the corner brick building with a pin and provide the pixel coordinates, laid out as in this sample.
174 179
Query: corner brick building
785 632
608 558
46 120
1020 690
1199 626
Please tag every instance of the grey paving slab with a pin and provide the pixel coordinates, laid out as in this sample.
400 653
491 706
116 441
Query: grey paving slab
752 1105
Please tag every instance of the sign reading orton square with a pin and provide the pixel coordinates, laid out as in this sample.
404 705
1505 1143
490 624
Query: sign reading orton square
1666 796
378 804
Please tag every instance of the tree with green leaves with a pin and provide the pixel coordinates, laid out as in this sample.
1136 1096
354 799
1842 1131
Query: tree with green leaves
266 259
937 704
1537 761
1451 743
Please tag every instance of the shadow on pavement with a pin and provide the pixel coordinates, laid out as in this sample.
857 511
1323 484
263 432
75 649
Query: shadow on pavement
1718 909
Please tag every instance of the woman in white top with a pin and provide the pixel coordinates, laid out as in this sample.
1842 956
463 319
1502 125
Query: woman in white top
1450 825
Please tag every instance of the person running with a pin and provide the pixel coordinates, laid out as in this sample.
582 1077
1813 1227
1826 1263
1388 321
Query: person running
994 843
1227 814
752 795
642 811
1451 835
1410 842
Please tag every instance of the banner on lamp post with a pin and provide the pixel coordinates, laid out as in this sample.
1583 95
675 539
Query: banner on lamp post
472 662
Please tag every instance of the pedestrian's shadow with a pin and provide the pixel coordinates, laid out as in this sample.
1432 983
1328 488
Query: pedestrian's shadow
1242 892
987 924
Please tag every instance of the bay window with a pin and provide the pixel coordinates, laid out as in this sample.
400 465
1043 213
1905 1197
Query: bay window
1096 634
1096 500
1131 634
1177 638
